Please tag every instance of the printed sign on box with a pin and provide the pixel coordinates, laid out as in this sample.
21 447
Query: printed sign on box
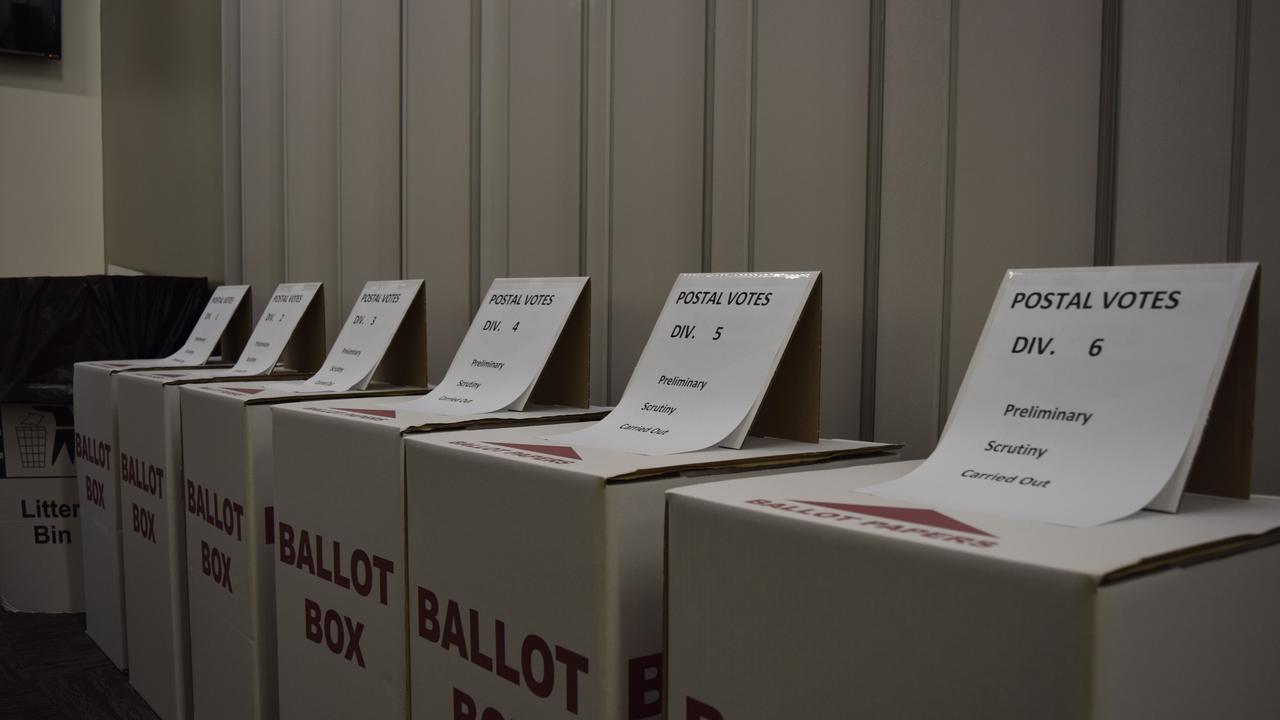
731 354
291 330
226 314
1093 391
505 355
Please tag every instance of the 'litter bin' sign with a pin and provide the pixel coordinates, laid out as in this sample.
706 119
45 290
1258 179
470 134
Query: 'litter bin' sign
40 567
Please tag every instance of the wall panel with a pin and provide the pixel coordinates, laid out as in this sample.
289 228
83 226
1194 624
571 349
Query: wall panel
232 212
728 157
311 108
1177 60
1261 230
912 223
596 185
657 133
51 142
369 143
494 94
262 147
437 168
809 189
545 137
162 84
1026 138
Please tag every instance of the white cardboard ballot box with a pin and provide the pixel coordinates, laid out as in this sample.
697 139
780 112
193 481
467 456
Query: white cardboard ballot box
152 497
535 570
229 498
799 596
98 460
229 493
40 537
340 494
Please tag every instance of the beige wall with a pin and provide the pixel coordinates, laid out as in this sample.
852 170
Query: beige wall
162 130
1260 224
51 154
910 149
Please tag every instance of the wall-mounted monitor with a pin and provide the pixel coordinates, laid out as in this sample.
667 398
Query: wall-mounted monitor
31 27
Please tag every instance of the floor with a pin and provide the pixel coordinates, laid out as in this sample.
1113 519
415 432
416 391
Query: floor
51 670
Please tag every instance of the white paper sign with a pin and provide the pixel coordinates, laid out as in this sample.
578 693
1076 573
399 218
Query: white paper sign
280 318
217 313
506 348
1087 389
364 338
707 365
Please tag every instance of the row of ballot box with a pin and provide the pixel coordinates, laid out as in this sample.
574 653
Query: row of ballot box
248 540
351 558
268 547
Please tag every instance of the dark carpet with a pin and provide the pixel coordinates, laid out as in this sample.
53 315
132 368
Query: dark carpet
51 670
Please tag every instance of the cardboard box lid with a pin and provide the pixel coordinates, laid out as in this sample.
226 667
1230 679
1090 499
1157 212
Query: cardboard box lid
528 445
112 367
390 412
205 374
825 500
259 392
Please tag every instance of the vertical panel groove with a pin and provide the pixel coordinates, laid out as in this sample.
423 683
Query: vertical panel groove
751 135
609 103
596 157
284 129
871 247
232 159
1104 236
404 141
584 60
948 239
475 155
708 132
240 150
506 148
337 120
240 140
1239 129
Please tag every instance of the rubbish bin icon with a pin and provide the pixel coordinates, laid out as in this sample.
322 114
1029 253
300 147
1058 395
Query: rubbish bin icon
33 437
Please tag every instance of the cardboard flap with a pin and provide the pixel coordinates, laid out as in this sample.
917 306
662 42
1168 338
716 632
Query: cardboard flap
791 405
1186 557
405 361
305 349
547 416
760 462
566 378
262 393
1223 463
236 334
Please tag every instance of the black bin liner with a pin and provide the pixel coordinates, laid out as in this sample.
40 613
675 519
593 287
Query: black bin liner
48 324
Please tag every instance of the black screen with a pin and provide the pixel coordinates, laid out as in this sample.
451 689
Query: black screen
31 27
